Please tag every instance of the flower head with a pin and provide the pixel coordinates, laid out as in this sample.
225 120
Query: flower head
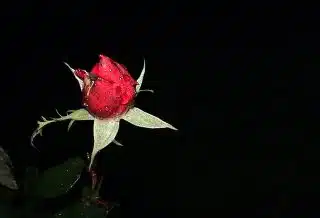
108 90
108 93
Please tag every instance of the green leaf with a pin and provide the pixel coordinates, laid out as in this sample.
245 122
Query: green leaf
7 195
140 118
104 132
7 211
6 177
81 210
30 177
58 180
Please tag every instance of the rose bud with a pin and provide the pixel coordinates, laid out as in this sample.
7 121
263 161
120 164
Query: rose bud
108 93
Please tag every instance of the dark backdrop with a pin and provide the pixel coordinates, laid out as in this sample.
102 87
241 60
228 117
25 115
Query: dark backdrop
239 81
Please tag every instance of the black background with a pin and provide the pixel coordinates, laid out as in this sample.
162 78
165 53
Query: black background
239 81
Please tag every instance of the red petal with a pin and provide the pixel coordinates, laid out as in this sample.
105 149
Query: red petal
80 73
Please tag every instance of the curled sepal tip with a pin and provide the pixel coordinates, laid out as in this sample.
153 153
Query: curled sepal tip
80 114
73 72
70 124
140 79
117 143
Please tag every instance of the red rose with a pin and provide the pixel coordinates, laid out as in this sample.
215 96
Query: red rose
108 93
108 89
